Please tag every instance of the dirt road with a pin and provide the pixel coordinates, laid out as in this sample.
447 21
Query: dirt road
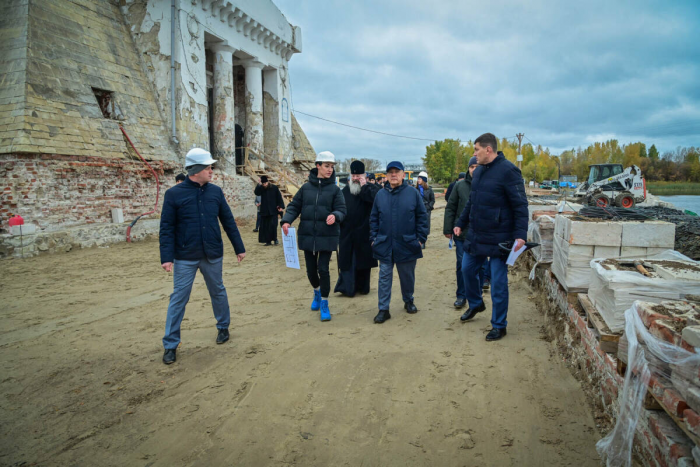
83 383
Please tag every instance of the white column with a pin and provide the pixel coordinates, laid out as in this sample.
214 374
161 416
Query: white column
224 109
254 105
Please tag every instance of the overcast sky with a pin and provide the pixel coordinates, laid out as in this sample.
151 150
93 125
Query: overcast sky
565 73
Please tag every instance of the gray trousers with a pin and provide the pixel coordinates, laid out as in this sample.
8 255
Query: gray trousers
407 278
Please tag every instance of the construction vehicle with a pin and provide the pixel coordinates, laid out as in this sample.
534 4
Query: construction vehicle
610 185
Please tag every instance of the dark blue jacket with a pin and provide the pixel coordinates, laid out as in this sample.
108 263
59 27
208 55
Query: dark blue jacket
189 223
397 224
497 208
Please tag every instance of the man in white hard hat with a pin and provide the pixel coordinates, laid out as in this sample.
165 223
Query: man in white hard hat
322 208
427 195
190 240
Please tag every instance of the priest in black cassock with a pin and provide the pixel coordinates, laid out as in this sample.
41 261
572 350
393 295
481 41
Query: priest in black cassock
355 259
271 204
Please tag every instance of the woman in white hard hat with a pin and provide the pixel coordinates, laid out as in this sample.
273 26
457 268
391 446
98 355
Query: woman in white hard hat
428 196
322 208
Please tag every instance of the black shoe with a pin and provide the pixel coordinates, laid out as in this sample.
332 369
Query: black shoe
487 284
255 230
410 307
222 337
495 334
460 302
471 312
169 356
276 242
382 316
267 244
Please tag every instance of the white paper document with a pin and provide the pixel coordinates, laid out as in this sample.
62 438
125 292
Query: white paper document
514 254
289 245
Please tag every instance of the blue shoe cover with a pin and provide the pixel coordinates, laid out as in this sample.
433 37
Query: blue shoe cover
325 312
316 304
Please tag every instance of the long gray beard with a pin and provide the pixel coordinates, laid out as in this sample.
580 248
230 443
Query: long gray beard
355 188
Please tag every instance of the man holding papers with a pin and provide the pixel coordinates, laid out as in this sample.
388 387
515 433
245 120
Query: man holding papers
496 213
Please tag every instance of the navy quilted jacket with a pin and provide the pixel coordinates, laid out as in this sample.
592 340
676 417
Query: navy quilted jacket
189 223
497 208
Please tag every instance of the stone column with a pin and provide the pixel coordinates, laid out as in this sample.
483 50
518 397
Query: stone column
254 105
271 113
224 110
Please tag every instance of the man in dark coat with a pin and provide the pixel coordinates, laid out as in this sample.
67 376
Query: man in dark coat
355 259
461 176
190 240
455 205
496 213
321 206
398 230
271 204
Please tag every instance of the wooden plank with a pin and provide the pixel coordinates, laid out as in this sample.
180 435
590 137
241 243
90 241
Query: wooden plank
608 339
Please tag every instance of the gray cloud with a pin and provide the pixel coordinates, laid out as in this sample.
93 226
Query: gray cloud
564 73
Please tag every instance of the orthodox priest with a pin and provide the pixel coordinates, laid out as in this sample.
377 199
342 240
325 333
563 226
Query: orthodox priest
271 204
355 259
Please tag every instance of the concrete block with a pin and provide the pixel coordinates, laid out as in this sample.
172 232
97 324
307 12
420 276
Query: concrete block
656 251
595 233
562 227
633 251
691 334
26 229
685 271
117 216
606 251
649 234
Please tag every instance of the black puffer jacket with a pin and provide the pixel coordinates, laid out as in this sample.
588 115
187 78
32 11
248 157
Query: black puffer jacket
315 201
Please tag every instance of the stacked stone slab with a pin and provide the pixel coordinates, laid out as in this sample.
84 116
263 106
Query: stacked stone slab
615 285
676 387
578 240
541 230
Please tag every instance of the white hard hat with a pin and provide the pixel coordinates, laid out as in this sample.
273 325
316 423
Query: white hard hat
325 156
423 174
198 156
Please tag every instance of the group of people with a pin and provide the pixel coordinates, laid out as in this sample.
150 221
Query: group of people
369 225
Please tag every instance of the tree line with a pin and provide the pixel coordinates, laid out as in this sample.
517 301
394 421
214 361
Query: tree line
445 159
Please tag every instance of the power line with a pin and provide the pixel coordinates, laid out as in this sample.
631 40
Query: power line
365 129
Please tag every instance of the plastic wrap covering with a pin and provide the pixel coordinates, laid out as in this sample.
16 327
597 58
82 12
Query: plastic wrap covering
571 264
541 230
648 359
613 291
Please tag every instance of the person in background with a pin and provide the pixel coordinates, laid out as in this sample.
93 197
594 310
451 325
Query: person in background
179 178
355 259
371 179
455 205
321 206
271 203
190 240
496 213
428 197
398 230
461 176
258 200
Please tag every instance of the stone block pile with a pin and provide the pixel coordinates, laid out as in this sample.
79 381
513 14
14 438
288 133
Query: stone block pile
578 240
616 283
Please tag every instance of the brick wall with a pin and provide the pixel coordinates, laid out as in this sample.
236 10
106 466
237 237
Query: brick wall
55 192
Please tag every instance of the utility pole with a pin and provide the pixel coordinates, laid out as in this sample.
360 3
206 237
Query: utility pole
520 143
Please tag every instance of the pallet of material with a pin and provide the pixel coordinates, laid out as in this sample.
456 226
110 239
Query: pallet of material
608 340
617 282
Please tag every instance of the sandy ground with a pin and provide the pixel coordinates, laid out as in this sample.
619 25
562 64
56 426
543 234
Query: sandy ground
83 383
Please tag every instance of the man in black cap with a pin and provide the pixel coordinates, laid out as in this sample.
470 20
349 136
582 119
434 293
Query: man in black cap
355 259
371 178
271 203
